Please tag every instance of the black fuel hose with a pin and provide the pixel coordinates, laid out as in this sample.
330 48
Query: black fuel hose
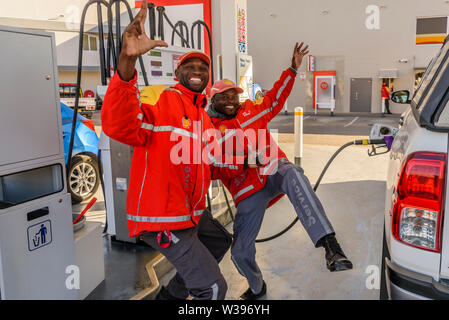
356 142
202 23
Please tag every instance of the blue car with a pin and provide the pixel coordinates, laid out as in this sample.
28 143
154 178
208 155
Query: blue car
83 178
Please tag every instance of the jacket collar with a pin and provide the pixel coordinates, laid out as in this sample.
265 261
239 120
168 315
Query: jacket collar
213 113
198 99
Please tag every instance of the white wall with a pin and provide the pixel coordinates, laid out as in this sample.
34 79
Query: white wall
224 17
274 26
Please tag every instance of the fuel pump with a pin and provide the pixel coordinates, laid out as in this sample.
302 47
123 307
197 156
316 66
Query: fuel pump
36 233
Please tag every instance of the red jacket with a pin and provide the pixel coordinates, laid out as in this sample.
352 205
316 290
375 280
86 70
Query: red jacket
385 92
169 176
242 132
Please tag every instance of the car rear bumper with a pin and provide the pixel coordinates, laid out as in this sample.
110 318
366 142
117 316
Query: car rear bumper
403 284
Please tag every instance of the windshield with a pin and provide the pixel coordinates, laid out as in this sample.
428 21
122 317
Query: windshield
429 75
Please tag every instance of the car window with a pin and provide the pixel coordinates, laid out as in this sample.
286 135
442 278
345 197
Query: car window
443 119
429 75
432 88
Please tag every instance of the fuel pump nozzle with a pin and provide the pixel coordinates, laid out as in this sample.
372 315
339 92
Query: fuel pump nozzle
381 139
376 144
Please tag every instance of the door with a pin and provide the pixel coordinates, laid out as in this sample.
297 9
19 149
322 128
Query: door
361 89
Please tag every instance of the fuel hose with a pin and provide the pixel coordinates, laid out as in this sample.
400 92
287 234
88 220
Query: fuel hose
356 142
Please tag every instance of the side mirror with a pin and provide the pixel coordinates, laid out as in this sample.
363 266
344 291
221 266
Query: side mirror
401 96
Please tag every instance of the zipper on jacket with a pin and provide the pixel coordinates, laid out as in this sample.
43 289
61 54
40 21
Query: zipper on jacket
257 169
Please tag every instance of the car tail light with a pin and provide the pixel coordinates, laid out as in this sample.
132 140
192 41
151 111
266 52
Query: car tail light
89 124
418 201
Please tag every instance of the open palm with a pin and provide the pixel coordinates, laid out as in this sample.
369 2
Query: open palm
298 55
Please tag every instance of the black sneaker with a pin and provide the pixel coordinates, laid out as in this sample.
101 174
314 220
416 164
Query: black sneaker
249 295
335 258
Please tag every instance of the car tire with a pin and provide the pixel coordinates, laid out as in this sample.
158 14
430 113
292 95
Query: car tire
383 278
83 178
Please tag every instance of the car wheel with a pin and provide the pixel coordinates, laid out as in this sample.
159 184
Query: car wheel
383 278
83 178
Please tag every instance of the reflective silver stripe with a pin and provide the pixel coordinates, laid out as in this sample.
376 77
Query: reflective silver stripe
158 219
244 190
224 165
268 167
226 136
323 221
140 116
174 238
138 95
244 124
169 129
283 87
146 126
214 288
275 103
215 163
197 212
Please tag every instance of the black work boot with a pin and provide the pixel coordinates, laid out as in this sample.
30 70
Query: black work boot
250 295
165 295
335 258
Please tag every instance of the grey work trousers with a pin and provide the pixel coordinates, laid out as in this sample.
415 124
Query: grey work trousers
290 180
198 273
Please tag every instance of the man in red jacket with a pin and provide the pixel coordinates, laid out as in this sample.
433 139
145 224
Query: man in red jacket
171 166
386 97
244 131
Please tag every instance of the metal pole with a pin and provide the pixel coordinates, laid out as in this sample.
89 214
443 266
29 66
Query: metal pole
299 114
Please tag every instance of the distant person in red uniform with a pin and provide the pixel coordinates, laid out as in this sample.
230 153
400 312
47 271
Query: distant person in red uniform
386 96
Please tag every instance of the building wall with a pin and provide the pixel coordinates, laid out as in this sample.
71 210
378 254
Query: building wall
50 10
341 39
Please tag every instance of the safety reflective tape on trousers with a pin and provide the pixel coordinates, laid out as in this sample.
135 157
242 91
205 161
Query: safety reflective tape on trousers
163 219
180 131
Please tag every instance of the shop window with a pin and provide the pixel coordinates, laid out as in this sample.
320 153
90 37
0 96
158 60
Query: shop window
431 30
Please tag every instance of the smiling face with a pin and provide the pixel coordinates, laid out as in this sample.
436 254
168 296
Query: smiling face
226 102
193 74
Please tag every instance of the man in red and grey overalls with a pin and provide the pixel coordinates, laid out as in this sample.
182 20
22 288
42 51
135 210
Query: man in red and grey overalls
244 132
386 97
169 177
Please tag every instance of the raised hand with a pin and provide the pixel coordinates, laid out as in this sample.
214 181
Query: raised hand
298 55
136 43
